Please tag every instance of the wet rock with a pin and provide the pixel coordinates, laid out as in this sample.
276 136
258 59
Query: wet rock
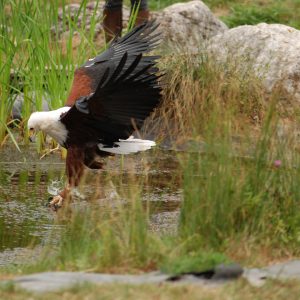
227 271
269 51
18 101
219 274
186 25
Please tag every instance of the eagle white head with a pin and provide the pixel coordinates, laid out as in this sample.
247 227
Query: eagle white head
49 123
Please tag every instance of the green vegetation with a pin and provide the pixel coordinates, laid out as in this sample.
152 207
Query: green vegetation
239 178
243 192
283 12
235 13
39 59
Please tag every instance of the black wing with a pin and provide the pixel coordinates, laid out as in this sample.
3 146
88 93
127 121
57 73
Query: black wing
125 96
142 39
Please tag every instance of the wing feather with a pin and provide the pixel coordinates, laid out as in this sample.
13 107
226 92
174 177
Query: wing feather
125 96
141 39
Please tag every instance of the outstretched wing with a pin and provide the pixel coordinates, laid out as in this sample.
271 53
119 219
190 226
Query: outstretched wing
142 39
125 96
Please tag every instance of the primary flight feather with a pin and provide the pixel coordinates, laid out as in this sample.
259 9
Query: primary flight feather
111 96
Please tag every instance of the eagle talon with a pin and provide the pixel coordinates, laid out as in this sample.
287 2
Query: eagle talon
47 202
56 202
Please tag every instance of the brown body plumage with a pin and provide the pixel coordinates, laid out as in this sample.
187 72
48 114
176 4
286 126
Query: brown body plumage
111 96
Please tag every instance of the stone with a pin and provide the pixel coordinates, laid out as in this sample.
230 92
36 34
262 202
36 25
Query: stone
183 25
19 101
227 271
256 277
93 9
55 281
283 271
286 270
268 51
186 25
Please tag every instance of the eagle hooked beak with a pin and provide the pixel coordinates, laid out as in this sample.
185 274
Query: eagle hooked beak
32 135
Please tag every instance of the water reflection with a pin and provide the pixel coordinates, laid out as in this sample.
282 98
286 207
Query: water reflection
25 221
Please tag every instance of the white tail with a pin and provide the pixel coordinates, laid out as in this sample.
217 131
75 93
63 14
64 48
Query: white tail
131 145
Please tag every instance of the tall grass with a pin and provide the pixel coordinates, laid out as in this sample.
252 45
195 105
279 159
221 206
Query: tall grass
235 13
282 12
200 94
227 197
244 187
31 48
240 193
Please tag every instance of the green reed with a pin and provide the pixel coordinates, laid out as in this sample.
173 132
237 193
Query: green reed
32 53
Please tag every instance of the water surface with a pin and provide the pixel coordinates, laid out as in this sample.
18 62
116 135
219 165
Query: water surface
26 223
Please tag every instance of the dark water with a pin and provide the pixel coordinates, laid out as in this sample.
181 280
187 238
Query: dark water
26 223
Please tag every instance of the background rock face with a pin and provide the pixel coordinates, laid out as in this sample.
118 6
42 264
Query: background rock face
270 51
186 25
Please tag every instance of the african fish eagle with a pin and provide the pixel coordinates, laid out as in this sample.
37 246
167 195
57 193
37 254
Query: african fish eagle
111 96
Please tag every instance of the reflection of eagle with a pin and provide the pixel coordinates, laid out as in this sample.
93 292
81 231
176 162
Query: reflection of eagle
111 96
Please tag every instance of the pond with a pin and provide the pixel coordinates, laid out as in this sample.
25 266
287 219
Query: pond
26 222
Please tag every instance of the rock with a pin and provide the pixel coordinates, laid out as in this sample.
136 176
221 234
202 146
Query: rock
227 271
92 11
269 51
19 101
219 274
54 281
283 271
256 277
186 25
183 25
286 270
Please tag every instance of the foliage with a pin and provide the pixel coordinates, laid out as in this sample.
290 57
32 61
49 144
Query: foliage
192 262
232 191
38 55
245 191
275 12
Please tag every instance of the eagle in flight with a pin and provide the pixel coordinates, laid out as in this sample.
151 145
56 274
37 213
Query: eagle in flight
111 96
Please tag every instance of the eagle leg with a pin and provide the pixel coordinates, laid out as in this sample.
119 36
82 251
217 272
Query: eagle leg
74 170
89 158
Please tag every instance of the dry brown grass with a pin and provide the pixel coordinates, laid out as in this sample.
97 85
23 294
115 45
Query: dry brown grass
199 92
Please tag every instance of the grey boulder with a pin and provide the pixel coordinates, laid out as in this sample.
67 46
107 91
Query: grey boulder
186 25
18 102
269 51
